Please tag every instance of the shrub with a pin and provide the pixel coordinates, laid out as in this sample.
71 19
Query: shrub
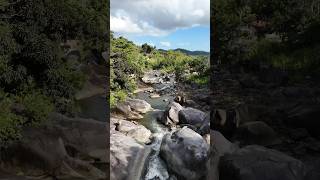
117 96
36 107
10 123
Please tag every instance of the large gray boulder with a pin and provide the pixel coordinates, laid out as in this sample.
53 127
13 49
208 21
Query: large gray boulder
127 157
256 132
127 112
171 115
219 146
186 154
139 105
133 108
64 148
173 111
195 119
191 116
259 163
134 130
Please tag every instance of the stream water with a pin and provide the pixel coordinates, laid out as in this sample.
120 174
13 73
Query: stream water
155 168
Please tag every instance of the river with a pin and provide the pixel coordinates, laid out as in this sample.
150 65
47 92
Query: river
156 168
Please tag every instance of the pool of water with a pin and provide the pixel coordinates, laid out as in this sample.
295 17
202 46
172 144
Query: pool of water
159 105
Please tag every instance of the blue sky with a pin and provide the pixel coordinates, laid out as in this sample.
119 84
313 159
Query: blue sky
167 24
194 38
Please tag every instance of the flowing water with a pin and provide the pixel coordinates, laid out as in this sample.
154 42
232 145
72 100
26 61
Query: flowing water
156 168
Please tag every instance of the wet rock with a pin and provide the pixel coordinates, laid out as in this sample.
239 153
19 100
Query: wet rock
173 112
167 89
256 162
195 119
191 116
125 109
125 154
134 130
170 116
256 132
154 95
139 105
151 77
186 154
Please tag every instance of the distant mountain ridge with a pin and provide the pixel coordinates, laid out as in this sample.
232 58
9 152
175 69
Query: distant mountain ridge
192 53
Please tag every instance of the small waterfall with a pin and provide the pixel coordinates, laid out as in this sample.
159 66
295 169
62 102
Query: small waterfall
156 168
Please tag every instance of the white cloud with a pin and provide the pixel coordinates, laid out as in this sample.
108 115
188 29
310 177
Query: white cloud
124 24
157 17
166 44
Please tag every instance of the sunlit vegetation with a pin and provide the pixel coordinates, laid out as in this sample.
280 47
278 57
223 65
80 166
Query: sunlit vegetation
129 62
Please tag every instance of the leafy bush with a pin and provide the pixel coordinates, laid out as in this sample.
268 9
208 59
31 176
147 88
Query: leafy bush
9 122
36 107
117 96
22 110
33 72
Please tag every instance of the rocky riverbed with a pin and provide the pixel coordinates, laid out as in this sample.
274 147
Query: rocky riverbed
168 139
263 127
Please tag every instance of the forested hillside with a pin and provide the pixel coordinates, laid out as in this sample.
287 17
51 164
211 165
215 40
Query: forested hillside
129 62
36 77
283 34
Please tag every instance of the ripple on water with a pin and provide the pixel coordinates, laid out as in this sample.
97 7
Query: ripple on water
156 168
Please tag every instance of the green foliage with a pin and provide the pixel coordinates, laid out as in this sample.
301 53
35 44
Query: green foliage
117 96
36 107
147 49
9 121
284 34
299 62
19 111
33 71
129 62
200 80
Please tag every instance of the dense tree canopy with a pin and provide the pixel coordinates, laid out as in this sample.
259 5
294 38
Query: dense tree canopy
280 32
33 70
